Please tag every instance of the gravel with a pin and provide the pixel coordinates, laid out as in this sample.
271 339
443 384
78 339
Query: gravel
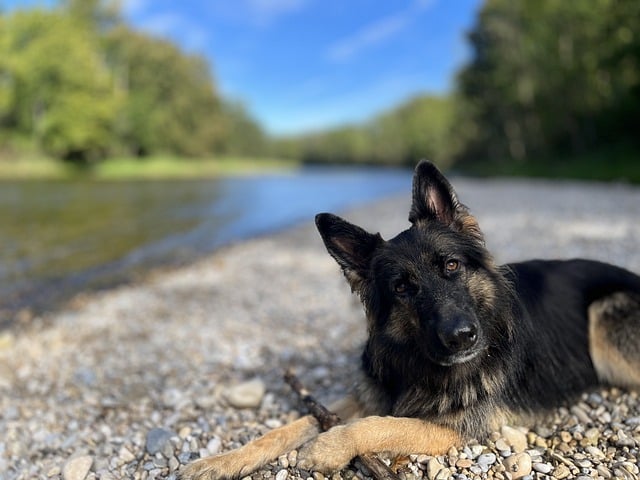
137 381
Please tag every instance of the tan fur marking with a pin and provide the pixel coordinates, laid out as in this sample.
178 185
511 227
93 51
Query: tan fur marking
610 364
253 455
334 449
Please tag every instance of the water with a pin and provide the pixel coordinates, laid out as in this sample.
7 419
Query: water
59 238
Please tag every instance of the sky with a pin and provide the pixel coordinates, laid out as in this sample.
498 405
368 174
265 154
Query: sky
307 65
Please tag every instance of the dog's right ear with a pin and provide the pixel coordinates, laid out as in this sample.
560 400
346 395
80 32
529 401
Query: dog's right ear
351 246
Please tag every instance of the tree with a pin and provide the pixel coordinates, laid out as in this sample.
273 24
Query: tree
55 88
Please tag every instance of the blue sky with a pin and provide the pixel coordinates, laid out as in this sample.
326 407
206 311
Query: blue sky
303 65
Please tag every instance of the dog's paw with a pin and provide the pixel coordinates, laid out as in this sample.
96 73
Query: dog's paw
329 452
224 466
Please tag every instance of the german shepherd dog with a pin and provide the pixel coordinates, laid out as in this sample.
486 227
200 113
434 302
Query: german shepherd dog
457 346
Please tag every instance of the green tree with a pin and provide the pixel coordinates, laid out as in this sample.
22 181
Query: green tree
55 89
170 102
550 76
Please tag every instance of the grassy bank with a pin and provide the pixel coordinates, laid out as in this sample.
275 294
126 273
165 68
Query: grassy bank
157 167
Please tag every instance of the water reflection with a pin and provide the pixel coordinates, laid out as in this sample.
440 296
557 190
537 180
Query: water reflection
61 237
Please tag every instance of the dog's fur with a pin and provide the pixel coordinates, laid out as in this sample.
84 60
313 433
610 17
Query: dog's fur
456 345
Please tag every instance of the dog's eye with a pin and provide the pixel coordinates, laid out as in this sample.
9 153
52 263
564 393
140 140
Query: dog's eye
452 265
401 287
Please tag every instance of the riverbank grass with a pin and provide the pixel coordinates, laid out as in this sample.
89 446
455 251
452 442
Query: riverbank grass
128 168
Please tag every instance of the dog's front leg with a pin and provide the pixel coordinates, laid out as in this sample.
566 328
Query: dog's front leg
334 449
253 455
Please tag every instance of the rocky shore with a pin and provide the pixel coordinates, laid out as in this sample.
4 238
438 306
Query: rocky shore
137 381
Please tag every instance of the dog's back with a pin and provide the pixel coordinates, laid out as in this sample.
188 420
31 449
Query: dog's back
579 325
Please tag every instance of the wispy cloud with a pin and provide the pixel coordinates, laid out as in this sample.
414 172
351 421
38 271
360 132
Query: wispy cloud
376 32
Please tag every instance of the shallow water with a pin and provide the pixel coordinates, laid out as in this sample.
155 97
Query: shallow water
59 238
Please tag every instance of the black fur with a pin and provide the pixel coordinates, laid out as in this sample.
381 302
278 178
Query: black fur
455 339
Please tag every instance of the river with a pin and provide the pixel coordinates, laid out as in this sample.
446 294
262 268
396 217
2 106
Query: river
61 238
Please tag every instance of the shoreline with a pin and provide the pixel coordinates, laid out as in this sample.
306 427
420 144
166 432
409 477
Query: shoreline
97 382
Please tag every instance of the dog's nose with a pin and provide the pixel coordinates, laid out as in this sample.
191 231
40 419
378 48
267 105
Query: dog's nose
459 336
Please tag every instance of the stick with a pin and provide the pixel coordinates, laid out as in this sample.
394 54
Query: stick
327 419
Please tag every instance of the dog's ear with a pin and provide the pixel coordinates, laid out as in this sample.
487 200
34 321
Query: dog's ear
351 246
435 199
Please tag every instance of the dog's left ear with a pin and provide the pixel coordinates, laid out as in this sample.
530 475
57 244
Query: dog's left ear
435 199
351 246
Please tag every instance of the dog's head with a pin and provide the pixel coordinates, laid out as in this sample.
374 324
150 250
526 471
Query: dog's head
429 287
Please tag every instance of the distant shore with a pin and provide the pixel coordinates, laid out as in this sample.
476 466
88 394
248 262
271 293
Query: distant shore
136 381
130 168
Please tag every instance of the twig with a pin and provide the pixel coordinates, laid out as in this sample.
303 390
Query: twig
327 419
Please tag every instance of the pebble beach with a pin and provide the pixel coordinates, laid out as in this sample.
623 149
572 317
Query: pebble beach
138 381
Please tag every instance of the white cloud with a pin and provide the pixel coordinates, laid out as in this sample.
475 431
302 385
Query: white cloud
376 32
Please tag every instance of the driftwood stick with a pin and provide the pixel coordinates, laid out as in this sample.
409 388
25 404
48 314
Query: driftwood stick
327 419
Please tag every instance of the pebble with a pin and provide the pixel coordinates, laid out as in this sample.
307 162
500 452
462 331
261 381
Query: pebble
518 465
561 471
433 468
542 468
214 445
246 395
514 438
157 439
282 474
77 468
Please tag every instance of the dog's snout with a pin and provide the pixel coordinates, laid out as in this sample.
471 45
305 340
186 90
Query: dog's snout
460 335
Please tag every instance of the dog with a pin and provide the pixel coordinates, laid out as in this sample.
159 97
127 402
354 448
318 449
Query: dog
457 345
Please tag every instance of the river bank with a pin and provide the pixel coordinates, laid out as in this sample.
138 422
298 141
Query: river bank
136 381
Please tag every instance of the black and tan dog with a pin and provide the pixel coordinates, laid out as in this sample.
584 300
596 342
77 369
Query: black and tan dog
456 345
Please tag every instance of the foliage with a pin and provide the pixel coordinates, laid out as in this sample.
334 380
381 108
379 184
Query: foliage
79 84
417 129
550 77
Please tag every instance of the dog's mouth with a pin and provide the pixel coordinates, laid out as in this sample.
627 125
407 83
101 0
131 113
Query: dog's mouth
457 358
445 358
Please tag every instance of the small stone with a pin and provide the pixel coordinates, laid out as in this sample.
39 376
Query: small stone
282 474
518 465
318 476
603 471
53 471
77 468
515 438
214 445
173 464
292 457
485 461
583 463
464 463
581 415
433 467
595 452
246 395
561 471
157 439
443 474
544 468
283 461
502 445
125 455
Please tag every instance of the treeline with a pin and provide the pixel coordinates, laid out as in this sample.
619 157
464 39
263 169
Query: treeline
547 79
417 129
78 83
